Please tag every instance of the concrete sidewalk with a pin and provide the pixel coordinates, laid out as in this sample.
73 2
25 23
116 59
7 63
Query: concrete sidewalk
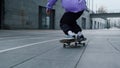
41 49
101 53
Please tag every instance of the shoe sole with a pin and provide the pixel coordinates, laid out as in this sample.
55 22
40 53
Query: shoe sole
67 40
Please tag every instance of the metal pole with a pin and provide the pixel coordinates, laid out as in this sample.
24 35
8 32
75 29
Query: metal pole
89 4
92 5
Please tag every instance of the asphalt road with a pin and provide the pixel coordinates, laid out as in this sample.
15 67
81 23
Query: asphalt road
42 49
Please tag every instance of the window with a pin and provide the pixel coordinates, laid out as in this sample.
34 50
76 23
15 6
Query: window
84 23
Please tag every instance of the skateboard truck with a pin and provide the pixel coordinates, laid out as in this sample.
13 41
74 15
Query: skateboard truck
67 42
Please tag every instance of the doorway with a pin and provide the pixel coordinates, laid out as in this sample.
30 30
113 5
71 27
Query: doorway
1 13
46 22
83 23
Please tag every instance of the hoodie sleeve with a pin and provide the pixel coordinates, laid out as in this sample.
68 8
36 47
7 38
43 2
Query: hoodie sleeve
50 4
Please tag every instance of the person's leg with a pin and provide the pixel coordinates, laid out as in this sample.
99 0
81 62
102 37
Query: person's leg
75 27
68 22
65 23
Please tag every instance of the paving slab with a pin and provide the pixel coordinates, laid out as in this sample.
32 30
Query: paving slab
39 49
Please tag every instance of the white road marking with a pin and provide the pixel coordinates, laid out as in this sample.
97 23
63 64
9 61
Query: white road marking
9 49
23 39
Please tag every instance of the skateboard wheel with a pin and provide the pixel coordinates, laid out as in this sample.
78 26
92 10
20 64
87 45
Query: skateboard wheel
83 44
79 42
64 45
75 44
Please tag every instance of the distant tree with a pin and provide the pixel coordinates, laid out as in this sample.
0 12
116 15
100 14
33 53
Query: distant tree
102 9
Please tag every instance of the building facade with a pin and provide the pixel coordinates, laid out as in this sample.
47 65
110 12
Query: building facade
30 14
98 23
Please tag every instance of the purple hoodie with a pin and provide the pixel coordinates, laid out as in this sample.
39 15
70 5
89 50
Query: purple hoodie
69 5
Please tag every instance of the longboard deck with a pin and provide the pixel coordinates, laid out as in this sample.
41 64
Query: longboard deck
67 42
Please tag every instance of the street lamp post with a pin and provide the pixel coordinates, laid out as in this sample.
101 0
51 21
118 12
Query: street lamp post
92 4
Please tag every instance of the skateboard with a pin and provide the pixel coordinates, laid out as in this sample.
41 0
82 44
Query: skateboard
72 42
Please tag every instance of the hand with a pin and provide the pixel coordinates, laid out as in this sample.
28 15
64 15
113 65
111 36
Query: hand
48 12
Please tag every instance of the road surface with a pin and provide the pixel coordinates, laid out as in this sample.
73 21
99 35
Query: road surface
41 49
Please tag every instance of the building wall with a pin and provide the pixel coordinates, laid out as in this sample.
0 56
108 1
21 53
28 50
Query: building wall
24 14
98 23
21 14
85 15
59 11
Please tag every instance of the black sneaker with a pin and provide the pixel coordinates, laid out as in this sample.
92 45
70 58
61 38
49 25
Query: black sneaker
81 38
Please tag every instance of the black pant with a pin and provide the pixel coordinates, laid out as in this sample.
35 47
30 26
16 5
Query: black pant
68 22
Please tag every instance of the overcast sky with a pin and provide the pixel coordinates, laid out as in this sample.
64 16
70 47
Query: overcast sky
110 5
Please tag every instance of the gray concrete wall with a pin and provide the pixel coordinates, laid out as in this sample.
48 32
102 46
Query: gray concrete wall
58 11
20 14
85 15
23 14
98 22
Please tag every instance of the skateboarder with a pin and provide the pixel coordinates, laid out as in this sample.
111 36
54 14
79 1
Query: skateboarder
74 9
